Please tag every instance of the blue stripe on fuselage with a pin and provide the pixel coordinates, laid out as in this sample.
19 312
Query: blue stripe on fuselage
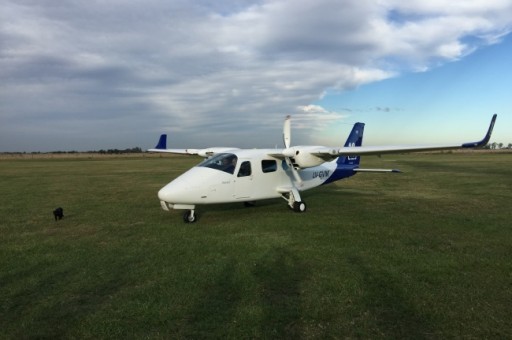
342 171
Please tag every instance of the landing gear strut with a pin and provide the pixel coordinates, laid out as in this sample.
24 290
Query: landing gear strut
294 201
189 216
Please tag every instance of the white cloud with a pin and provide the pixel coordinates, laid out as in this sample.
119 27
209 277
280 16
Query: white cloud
190 67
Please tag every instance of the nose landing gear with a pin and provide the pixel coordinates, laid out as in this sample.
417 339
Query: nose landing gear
189 216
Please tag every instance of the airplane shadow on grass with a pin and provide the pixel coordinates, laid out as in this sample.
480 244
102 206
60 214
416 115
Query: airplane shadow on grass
280 275
52 317
277 276
393 315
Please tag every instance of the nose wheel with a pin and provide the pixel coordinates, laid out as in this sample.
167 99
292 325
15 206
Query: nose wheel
189 216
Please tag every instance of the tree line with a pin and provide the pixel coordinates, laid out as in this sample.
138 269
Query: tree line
102 151
496 146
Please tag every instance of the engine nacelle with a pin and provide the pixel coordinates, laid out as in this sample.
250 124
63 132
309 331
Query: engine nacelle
302 157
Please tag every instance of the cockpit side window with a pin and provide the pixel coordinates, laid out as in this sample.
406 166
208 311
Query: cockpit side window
245 169
223 161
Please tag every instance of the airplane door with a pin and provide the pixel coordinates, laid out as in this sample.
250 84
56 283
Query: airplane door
244 180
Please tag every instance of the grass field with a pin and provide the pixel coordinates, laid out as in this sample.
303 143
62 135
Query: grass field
423 254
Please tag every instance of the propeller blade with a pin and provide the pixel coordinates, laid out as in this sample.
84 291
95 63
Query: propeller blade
286 132
289 152
294 171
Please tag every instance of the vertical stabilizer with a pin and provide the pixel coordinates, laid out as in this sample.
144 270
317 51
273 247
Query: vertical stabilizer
354 139
346 165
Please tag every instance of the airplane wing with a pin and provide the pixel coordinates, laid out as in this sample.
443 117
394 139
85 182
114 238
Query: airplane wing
322 153
162 147
177 151
380 150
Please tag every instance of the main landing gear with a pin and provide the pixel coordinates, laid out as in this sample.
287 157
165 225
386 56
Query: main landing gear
294 201
299 206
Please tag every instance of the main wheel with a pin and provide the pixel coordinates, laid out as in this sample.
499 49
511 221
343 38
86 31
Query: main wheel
299 206
189 216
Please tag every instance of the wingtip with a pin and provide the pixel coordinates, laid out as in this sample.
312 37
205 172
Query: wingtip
162 142
487 137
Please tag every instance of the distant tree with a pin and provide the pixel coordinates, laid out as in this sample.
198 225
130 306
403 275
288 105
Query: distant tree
500 145
509 146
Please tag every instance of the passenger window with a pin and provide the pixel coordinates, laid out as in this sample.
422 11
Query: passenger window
268 165
245 169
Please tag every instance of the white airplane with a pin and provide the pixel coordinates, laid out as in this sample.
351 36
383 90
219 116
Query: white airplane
228 175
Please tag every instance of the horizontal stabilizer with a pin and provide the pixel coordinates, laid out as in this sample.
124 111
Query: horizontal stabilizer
378 170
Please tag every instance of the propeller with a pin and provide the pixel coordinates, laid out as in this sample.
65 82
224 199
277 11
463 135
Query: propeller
288 152
287 132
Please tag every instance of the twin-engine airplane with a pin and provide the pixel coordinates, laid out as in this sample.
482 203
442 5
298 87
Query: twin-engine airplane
229 174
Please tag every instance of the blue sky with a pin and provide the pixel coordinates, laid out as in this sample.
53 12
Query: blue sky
81 75
455 100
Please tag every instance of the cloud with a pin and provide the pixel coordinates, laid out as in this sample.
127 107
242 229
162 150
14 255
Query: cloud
210 72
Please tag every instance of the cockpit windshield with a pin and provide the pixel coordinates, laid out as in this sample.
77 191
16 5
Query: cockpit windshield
223 161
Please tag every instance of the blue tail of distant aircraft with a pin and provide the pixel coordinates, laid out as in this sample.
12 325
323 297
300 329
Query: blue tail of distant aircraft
162 142
354 139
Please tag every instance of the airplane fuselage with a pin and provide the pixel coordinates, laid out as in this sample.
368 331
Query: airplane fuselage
254 176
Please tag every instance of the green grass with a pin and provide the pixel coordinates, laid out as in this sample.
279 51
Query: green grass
423 254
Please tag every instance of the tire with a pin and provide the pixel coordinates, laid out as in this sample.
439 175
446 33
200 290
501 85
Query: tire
189 217
299 207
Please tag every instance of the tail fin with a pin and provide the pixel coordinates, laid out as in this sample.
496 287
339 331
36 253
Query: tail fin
354 139
162 142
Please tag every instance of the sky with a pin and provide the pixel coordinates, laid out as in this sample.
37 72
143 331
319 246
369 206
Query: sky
90 75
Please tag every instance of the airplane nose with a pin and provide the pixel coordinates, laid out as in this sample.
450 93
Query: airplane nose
173 192
189 188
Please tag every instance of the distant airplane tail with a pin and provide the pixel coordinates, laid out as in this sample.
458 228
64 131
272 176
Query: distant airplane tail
354 139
